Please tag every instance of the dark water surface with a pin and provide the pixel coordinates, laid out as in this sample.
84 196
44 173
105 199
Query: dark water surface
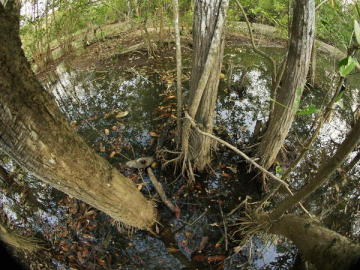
124 114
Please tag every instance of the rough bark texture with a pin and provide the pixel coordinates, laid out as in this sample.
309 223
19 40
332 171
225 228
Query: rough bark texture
326 249
349 144
208 37
292 84
36 135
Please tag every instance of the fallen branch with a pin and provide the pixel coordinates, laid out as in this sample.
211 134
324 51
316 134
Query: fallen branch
242 154
161 193
246 157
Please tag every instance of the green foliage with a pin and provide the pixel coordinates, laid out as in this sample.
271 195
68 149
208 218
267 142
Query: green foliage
278 169
308 110
273 12
357 31
334 23
347 65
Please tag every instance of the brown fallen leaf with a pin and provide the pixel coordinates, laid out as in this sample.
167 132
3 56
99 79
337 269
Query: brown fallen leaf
112 154
92 118
153 134
172 250
216 258
107 132
121 114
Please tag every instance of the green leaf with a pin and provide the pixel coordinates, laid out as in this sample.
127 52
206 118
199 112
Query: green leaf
357 31
347 65
309 110
278 169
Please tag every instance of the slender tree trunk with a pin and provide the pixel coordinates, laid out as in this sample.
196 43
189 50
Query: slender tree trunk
178 69
326 249
34 132
208 37
351 141
292 84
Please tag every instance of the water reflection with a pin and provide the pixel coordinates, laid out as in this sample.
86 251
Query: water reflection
91 100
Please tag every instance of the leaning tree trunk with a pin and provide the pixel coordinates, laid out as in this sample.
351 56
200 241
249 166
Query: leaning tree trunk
208 37
324 248
292 84
34 132
325 170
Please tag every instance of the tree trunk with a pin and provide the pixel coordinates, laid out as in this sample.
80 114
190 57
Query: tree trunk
208 37
326 249
349 144
34 132
292 84
178 70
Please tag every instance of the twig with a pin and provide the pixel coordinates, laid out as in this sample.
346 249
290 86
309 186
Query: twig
280 181
161 192
238 206
225 228
198 218
236 151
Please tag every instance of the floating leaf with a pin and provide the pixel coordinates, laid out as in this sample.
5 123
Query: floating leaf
308 110
93 118
153 134
121 114
357 31
225 175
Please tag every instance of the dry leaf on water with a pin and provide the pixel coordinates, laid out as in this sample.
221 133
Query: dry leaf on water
153 134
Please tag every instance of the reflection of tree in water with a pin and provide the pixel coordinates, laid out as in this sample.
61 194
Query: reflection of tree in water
94 99
87 98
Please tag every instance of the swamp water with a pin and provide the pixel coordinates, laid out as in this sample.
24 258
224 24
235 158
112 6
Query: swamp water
125 114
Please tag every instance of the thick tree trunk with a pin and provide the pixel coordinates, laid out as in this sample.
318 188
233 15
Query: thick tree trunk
292 84
34 133
326 249
208 36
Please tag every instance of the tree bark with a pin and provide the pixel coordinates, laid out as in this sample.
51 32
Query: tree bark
326 249
349 144
178 70
208 37
34 132
292 84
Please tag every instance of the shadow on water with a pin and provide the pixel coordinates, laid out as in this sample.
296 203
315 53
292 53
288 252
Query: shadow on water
121 114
